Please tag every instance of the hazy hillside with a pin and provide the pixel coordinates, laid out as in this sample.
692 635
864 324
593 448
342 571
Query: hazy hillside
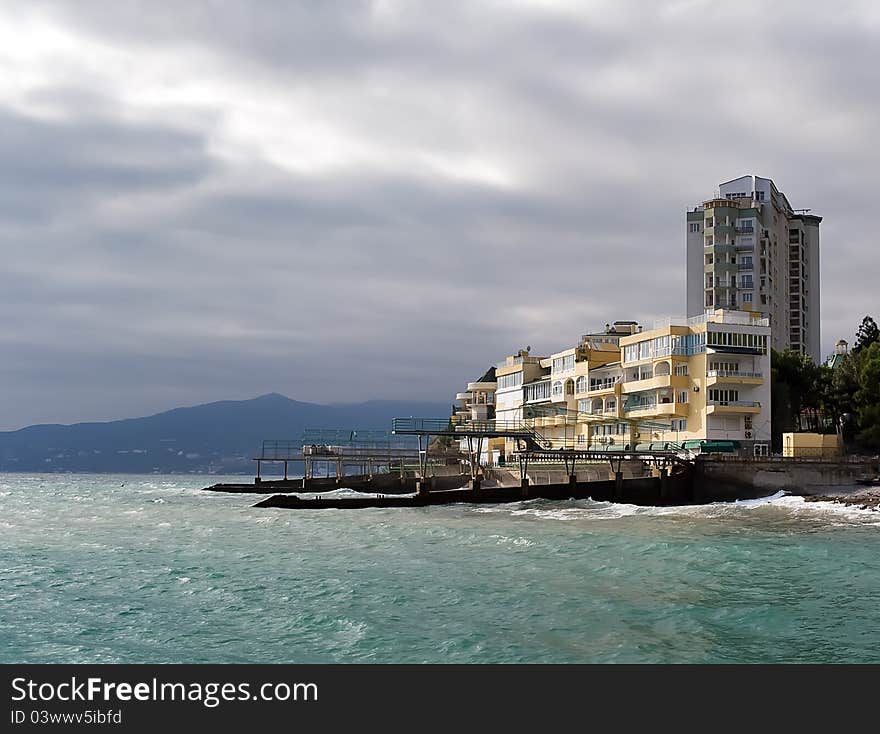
215 437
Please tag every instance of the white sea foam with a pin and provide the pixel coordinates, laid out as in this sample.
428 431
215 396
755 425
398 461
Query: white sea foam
591 510
350 632
505 540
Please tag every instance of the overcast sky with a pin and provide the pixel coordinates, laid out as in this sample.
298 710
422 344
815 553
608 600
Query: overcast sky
350 200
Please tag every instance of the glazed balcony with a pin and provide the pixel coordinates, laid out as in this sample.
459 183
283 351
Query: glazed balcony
603 388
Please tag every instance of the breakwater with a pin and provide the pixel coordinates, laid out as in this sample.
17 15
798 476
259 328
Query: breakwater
647 491
705 480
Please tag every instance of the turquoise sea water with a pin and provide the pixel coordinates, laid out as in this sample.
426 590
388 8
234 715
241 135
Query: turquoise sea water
157 571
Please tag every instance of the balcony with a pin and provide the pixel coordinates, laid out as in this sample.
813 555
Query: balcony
722 248
733 406
643 410
482 386
606 386
658 381
715 377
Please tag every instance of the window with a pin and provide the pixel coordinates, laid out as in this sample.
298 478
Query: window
745 281
661 346
682 396
723 396
736 339
709 222
709 299
748 297
710 259
537 391
557 388
508 381
679 424
603 383
581 384
681 370
759 195
695 227
630 352
562 364
724 366
710 240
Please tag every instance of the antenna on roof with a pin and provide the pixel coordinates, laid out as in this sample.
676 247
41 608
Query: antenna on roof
803 211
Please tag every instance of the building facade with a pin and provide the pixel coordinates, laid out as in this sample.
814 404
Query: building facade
706 378
748 250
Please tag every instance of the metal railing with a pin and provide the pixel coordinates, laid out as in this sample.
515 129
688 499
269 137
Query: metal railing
363 438
273 450
735 403
733 373
603 385
438 425
639 406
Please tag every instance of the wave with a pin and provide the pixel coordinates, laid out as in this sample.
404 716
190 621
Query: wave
594 510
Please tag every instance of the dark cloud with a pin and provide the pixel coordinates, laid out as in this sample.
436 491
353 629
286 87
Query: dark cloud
345 201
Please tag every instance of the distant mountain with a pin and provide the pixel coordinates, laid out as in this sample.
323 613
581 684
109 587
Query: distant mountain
217 438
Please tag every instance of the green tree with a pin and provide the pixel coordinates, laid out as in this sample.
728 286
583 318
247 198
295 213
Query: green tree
867 335
867 398
843 389
800 391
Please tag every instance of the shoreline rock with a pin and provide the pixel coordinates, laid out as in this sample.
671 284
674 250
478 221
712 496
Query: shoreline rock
865 499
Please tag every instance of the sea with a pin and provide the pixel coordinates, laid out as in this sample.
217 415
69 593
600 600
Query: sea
131 569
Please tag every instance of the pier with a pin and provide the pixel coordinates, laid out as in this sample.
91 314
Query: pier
372 461
388 472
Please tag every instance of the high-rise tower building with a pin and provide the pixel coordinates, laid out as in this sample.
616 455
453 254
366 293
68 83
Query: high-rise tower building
747 249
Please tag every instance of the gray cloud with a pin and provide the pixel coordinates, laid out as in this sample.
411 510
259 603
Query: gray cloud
345 201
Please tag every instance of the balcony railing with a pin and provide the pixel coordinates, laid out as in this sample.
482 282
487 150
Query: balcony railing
639 406
734 373
736 403
603 385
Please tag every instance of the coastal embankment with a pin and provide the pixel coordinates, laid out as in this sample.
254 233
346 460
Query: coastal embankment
705 480
731 478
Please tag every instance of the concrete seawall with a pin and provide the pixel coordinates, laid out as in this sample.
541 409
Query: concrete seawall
724 480
673 490
709 479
